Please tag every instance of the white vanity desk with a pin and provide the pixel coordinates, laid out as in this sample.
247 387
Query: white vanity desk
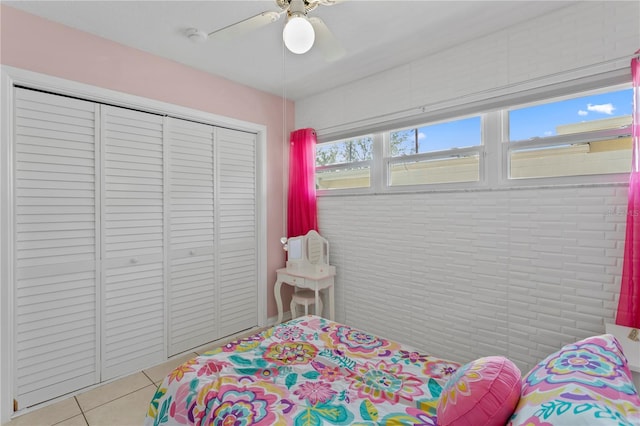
307 268
315 282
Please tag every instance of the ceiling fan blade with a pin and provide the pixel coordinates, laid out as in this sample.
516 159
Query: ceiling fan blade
327 43
245 26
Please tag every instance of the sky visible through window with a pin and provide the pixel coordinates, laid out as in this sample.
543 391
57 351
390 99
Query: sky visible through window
437 137
542 120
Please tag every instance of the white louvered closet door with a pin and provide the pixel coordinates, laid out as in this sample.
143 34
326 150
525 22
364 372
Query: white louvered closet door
192 292
133 323
237 230
56 346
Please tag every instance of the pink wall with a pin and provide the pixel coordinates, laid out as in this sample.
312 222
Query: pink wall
32 43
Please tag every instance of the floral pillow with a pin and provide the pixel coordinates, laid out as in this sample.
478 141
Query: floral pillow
585 383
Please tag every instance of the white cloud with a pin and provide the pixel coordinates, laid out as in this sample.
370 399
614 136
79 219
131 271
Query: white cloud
549 133
582 112
421 136
602 108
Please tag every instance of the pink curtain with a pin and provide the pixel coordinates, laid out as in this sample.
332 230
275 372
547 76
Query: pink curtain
629 303
301 207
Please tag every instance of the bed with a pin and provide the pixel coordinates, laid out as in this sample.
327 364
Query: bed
312 371
308 371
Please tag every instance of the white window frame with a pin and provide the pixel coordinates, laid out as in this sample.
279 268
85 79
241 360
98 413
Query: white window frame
373 170
436 155
495 150
509 146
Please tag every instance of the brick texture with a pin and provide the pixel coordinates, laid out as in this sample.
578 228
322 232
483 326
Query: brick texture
461 275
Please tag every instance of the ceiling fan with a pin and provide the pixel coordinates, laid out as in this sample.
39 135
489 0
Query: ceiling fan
300 32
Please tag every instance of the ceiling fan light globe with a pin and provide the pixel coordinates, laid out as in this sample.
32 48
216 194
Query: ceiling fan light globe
298 35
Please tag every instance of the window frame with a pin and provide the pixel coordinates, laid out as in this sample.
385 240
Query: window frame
495 149
508 146
435 155
348 166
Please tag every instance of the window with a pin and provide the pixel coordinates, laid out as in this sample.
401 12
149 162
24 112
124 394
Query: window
436 153
344 164
582 135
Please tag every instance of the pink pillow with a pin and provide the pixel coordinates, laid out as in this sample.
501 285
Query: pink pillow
482 392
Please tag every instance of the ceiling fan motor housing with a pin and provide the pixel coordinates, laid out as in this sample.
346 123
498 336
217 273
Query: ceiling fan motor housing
291 5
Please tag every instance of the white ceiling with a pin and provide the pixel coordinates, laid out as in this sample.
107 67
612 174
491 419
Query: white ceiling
377 35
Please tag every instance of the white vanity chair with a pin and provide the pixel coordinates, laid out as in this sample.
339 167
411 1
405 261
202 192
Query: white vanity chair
308 270
305 298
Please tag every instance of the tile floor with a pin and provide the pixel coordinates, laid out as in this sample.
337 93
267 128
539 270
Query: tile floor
123 402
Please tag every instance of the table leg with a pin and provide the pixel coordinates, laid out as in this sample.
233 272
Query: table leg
278 295
332 308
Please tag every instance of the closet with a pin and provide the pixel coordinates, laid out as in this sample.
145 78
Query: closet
135 239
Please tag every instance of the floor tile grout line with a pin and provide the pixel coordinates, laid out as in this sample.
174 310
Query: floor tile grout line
147 376
85 419
82 411
75 397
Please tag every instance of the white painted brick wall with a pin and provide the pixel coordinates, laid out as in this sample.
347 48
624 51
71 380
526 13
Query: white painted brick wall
514 272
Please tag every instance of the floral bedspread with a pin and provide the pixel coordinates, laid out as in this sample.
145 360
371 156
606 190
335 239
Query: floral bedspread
308 371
